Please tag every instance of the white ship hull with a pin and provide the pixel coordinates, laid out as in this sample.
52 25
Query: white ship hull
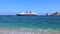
27 14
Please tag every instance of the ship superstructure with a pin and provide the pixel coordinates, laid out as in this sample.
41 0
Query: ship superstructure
27 14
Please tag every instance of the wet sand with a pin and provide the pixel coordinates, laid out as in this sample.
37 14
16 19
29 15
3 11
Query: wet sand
19 31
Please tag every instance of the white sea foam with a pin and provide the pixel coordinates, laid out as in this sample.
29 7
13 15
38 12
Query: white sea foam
27 31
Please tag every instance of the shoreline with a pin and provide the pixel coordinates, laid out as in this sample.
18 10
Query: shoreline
26 31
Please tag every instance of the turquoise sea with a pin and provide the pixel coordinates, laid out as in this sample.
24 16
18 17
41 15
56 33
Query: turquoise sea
34 22
30 22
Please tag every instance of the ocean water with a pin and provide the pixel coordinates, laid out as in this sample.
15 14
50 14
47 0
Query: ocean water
30 22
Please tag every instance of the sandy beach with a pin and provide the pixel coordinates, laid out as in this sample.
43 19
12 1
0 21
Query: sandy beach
20 31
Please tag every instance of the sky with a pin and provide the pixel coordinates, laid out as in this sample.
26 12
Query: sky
12 7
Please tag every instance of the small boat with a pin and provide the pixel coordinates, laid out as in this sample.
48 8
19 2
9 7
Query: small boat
27 14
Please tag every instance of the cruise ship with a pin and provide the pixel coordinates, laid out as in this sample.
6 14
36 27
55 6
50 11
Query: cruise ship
27 14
